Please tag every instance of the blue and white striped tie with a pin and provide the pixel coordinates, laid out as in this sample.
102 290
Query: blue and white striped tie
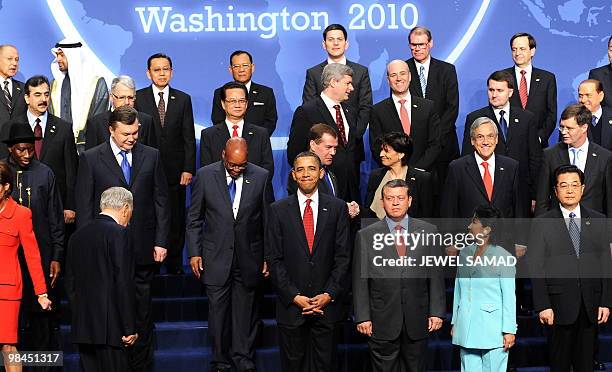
422 79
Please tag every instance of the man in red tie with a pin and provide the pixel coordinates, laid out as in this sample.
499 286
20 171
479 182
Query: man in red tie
308 253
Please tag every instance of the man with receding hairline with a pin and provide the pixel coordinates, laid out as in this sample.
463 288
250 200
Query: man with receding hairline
591 95
604 75
12 104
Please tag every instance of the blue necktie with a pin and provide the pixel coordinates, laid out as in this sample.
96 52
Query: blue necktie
594 121
231 188
422 79
575 152
574 233
329 183
503 124
125 167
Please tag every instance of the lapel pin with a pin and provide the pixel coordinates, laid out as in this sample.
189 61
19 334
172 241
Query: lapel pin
17 88
515 120
250 133
325 209
246 181
501 169
415 106
254 92
594 154
538 79
610 121
587 223
412 178
171 97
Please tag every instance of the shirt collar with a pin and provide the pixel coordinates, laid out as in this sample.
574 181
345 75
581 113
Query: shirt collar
156 91
425 64
392 224
227 175
330 103
302 198
396 99
598 113
527 69
342 62
248 85
566 212
490 162
506 109
584 148
230 125
114 147
2 80
111 216
32 118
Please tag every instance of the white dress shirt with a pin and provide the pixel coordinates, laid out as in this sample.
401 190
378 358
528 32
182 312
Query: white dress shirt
418 65
166 91
582 153
314 204
597 114
32 121
491 166
506 109
566 215
407 105
517 72
230 127
239 181
342 62
117 152
10 85
330 103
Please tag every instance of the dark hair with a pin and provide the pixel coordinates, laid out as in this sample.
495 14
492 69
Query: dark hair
393 184
318 130
233 85
488 216
579 112
419 30
158 55
307 154
124 115
335 26
501 76
239 52
564 169
530 38
399 142
597 83
6 176
35 81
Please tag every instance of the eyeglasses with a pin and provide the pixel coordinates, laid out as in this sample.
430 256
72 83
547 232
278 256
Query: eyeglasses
569 129
244 65
235 102
569 186
418 46
481 138
123 98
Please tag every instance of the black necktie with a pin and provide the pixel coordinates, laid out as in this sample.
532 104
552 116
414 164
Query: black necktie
7 96
65 100
503 124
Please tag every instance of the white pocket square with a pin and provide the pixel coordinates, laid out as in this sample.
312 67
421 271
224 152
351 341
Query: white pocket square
258 103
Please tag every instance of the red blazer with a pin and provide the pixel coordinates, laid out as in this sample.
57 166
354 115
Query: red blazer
16 229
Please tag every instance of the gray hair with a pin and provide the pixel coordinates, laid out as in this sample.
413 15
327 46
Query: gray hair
123 80
116 198
335 71
481 121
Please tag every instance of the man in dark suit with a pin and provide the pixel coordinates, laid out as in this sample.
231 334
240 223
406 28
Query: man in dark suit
569 261
335 43
436 80
404 112
12 104
103 304
329 108
576 149
591 94
55 142
307 249
174 128
517 132
261 109
212 139
225 235
604 75
397 308
536 88
122 161
123 92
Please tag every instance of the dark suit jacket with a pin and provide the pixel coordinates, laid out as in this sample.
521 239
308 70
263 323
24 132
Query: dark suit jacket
99 170
359 100
97 130
420 184
597 178
213 139
521 145
100 283
261 110
606 128
560 280
542 100
214 234
347 158
396 299
604 75
293 270
443 89
176 140
19 108
323 187
424 130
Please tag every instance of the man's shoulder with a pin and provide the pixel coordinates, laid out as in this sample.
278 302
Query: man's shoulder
422 225
260 88
506 161
317 67
256 130
461 161
554 149
144 90
422 103
39 167
543 73
332 201
442 64
145 149
19 84
209 131
254 170
599 71
357 67
382 104
210 168
373 228
52 119
520 113
142 116
483 111
178 94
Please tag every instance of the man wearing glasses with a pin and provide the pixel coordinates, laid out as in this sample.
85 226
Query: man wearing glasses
576 149
123 92
261 109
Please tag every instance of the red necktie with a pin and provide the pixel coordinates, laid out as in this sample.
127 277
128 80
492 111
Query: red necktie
404 117
340 124
523 89
308 221
488 182
38 141
161 108
235 132
399 244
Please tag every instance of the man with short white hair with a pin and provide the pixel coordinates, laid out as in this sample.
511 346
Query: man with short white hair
12 104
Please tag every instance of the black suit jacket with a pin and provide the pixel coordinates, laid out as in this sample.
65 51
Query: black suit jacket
261 110
443 89
359 100
19 108
542 100
176 140
100 283
562 281
606 128
604 75
521 145
597 178
97 130
215 235
424 130
394 298
99 170
293 270
347 158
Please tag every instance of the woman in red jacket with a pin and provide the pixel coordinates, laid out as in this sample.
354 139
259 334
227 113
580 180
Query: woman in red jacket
15 230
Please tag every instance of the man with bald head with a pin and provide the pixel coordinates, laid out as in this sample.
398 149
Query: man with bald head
12 104
591 95
404 112
225 237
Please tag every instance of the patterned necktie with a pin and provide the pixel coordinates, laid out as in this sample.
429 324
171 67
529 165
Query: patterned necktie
575 153
125 167
400 247
594 121
488 181
404 118
308 221
231 188
340 124
161 108
423 80
38 140
574 233
7 96
503 124
523 89
235 132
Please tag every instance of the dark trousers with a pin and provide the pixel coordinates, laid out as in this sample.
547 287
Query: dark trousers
233 321
309 347
141 354
176 237
102 358
573 345
401 354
